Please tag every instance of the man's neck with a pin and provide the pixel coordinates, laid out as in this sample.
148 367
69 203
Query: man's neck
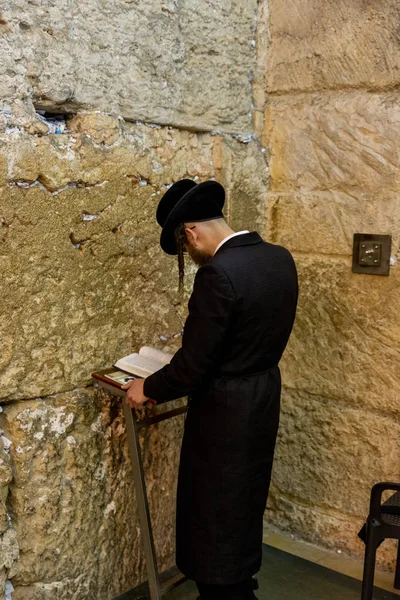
219 237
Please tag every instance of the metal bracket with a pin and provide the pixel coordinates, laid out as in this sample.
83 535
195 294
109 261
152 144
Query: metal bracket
371 254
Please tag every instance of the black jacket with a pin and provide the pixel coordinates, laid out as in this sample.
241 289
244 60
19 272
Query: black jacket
241 313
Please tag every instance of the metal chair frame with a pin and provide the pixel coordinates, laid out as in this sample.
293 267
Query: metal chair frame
383 522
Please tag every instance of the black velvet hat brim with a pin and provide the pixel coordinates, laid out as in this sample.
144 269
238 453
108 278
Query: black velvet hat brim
202 203
171 197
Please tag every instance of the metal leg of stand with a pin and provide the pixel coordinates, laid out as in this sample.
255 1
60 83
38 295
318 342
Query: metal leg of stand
143 505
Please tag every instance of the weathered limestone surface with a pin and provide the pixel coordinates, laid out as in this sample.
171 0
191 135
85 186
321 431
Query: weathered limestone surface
243 171
327 528
80 256
86 280
333 44
345 344
84 277
325 222
185 64
331 129
334 172
72 497
5 479
8 541
312 426
346 141
9 556
87 283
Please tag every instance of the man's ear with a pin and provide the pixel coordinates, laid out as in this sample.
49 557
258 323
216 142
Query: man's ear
191 235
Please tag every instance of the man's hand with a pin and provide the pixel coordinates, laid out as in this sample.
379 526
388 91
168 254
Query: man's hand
134 395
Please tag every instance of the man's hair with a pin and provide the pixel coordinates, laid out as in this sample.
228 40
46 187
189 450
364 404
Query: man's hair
181 240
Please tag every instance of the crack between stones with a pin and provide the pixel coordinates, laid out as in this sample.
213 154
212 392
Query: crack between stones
303 253
356 404
42 184
333 512
245 137
274 221
335 89
14 401
160 125
261 39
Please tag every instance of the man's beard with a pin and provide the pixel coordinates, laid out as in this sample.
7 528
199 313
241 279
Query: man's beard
198 256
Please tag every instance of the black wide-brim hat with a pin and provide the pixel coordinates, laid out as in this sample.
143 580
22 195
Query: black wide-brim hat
186 202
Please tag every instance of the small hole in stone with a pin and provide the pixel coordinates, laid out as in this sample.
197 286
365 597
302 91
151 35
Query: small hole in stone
55 121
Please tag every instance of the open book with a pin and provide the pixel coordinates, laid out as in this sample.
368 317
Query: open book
144 363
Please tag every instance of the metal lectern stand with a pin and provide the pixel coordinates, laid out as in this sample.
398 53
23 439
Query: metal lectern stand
133 426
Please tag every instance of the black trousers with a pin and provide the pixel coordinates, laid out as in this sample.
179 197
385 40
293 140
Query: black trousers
237 591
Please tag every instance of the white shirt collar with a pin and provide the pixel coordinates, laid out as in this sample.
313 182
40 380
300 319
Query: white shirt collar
228 238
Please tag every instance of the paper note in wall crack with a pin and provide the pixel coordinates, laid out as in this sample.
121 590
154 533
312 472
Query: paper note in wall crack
9 590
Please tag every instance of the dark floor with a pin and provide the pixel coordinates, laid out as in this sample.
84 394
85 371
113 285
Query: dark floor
287 577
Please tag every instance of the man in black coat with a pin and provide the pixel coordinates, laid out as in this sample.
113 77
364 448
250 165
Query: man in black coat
241 313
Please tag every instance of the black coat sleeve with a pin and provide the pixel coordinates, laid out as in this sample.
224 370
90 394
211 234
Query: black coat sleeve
210 309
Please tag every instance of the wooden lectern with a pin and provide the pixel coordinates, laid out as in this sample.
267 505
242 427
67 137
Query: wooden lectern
158 584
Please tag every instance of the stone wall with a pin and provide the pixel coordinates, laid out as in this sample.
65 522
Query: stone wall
293 107
86 283
149 93
182 63
86 280
72 499
332 130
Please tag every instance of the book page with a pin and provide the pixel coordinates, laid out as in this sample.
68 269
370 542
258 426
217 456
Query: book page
139 365
163 357
120 377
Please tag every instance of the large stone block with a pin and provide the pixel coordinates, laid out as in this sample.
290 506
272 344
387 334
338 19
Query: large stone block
103 129
345 342
72 498
330 454
325 44
245 176
325 222
346 141
184 64
150 155
86 279
323 527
